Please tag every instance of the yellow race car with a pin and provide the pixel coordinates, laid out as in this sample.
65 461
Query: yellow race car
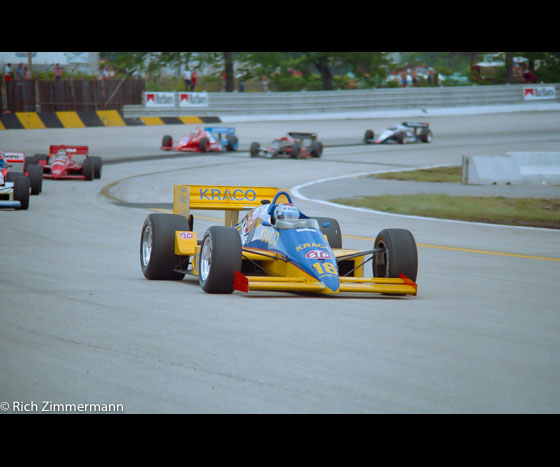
273 247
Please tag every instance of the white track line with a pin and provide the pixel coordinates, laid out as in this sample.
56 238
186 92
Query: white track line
296 192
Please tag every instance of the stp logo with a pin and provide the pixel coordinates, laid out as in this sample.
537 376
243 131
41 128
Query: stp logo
186 235
318 254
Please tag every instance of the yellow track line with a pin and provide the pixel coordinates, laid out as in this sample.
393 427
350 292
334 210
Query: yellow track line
468 250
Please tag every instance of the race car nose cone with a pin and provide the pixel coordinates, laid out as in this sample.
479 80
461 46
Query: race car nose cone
332 282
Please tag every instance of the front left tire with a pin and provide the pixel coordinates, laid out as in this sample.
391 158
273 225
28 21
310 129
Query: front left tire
157 246
220 257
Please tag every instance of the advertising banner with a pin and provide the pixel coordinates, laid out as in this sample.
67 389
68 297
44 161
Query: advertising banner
539 93
193 99
159 99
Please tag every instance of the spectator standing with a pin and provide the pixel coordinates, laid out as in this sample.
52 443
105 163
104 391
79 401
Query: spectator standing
27 74
414 79
99 75
19 72
8 73
187 76
265 83
194 76
57 72
403 79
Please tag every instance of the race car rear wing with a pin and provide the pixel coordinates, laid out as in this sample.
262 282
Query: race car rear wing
71 150
416 124
220 130
14 157
230 199
299 135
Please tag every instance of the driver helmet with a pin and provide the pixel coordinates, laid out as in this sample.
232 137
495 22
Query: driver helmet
1 161
62 152
286 211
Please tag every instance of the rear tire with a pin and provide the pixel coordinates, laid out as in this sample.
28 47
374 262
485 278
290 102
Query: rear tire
231 143
157 246
97 166
203 144
21 191
88 168
426 135
35 178
255 148
399 255
220 257
316 149
332 231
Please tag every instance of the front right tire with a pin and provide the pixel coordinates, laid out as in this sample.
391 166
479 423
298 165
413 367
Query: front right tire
399 254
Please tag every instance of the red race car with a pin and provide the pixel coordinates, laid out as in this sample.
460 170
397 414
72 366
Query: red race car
61 163
294 144
203 140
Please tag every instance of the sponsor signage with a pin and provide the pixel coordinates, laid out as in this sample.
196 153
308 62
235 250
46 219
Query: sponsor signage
193 99
175 99
539 93
159 99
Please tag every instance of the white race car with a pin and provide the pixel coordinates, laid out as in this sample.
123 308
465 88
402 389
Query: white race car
406 132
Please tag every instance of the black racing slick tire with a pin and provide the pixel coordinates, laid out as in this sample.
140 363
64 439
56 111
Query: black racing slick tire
97 166
399 254
316 149
88 168
255 148
21 190
426 135
35 172
331 228
203 144
220 257
399 137
166 141
157 246
295 153
368 136
231 143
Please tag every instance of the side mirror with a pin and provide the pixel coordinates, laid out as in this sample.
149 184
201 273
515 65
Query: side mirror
326 224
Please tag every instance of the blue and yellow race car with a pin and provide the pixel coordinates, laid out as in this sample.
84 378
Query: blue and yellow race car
274 247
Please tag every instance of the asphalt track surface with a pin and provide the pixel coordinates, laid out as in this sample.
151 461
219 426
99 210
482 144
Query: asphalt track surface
81 324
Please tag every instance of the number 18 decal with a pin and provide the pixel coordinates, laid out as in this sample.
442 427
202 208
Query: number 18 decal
325 268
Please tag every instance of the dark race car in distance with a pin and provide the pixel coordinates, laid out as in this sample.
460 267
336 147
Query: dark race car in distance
406 132
295 145
203 140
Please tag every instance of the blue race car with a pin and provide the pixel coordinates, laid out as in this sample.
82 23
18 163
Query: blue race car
274 247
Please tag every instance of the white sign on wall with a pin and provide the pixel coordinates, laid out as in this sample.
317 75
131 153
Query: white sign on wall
539 93
172 99
159 99
193 99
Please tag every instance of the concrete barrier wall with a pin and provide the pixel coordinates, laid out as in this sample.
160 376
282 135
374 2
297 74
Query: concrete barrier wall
514 168
289 103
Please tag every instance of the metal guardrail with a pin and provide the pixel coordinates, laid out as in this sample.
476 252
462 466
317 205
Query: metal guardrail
255 103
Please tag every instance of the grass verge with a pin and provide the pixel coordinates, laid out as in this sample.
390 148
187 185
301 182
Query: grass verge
437 174
510 211
527 212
